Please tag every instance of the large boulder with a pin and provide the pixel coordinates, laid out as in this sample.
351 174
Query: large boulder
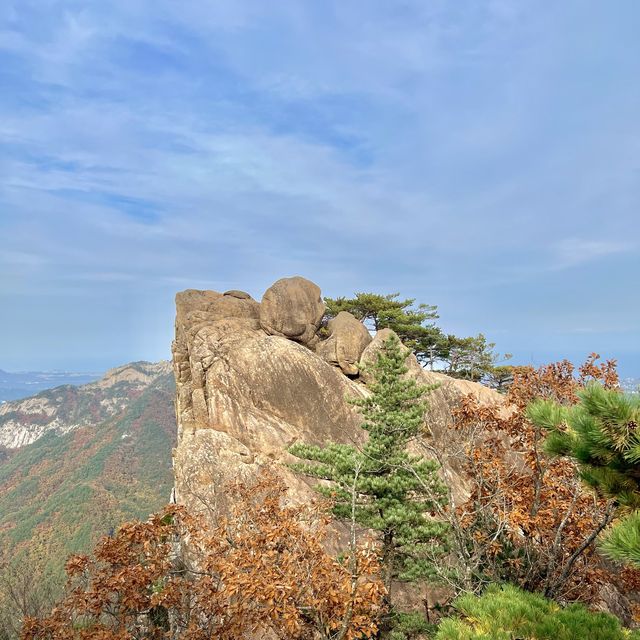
292 308
347 339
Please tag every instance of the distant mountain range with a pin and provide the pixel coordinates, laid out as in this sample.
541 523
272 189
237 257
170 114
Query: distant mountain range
76 462
14 386
68 407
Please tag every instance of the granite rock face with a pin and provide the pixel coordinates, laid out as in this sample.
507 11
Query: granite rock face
244 395
248 387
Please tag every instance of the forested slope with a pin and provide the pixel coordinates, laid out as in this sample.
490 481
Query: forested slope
60 493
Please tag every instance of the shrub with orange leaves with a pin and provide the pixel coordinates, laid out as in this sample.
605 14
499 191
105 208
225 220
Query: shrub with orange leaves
528 519
261 570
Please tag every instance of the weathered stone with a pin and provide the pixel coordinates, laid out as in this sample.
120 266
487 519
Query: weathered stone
228 307
197 374
292 308
612 600
347 339
203 462
194 300
199 403
196 308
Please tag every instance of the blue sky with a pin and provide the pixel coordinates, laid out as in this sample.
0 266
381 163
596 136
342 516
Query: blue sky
483 156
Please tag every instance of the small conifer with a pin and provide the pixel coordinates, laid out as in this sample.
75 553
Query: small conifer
506 613
381 485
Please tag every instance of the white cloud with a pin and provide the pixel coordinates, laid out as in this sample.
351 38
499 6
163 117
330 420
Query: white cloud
442 148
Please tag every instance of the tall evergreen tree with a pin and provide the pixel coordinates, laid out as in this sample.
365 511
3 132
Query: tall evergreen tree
381 485
601 434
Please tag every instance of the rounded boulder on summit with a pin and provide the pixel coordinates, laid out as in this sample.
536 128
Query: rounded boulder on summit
292 308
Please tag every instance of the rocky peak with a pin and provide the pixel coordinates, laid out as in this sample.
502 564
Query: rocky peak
253 378
135 374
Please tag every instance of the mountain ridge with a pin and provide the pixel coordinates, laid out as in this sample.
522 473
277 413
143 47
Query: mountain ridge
69 407
78 479
23 384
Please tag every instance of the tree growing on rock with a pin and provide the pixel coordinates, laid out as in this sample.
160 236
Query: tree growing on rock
472 358
413 323
382 486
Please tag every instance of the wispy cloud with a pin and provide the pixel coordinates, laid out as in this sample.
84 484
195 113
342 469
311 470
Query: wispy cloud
452 150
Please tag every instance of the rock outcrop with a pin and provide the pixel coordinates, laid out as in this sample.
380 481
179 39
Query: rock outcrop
248 386
244 395
348 338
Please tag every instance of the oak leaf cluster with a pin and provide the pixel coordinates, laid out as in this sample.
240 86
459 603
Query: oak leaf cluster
261 571
528 519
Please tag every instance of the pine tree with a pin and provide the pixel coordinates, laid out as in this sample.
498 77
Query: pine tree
414 324
381 485
472 358
504 612
601 434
